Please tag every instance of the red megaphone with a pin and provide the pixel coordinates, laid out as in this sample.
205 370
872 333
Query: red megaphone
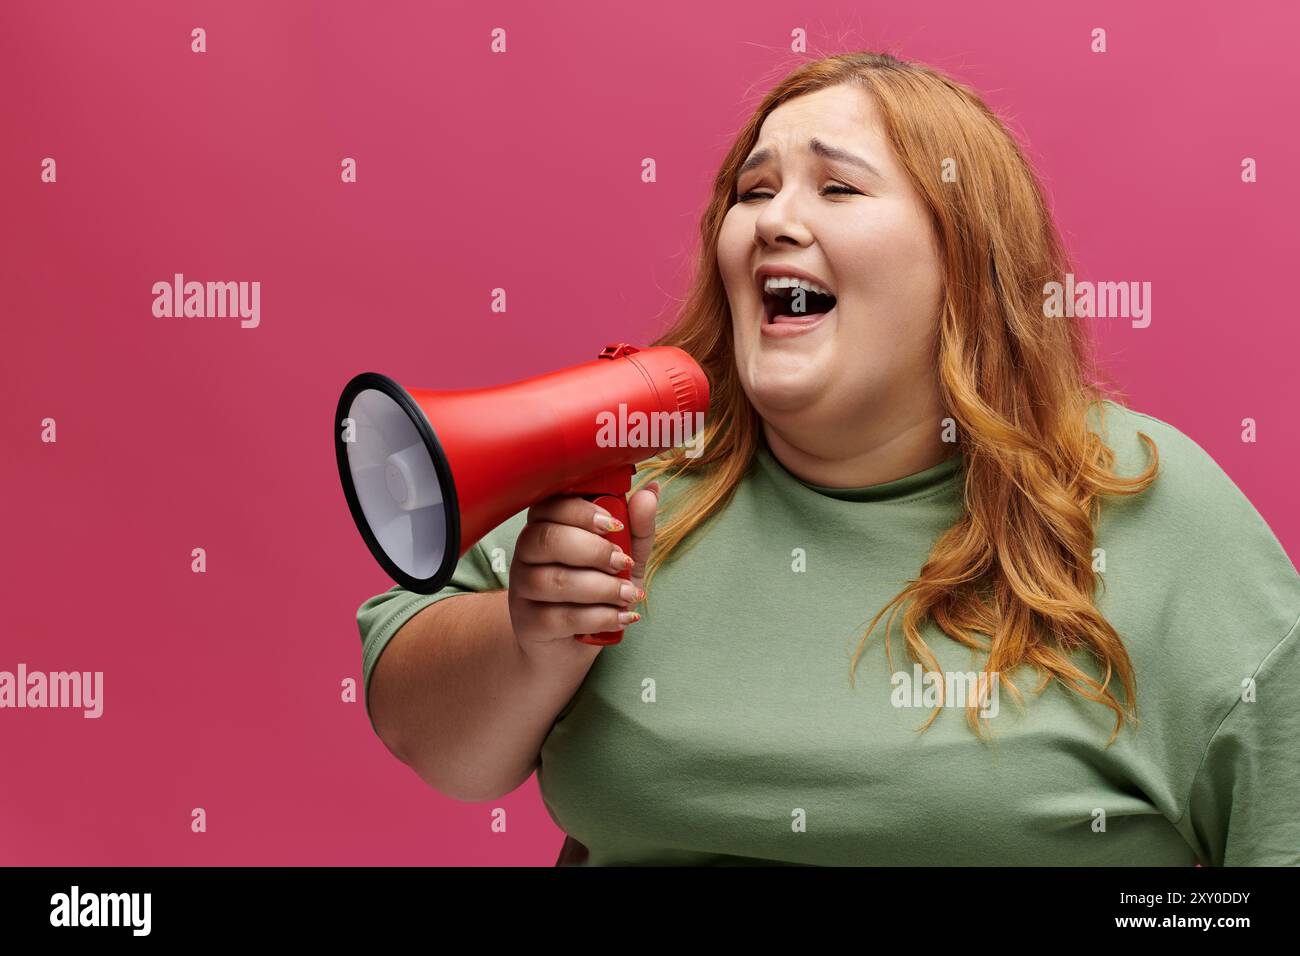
428 473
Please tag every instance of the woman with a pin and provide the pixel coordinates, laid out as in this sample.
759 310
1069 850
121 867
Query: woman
907 430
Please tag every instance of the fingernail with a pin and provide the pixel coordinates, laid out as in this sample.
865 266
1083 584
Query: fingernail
628 617
608 523
620 560
628 593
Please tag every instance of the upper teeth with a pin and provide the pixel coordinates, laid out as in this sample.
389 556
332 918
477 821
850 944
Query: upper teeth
772 283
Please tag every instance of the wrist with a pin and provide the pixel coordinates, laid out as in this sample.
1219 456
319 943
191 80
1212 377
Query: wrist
561 659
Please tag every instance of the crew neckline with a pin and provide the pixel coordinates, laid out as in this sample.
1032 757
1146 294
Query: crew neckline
917 484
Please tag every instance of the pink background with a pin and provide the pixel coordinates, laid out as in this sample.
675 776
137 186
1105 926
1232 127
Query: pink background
475 170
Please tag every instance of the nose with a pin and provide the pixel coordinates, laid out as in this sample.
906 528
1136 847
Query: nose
778 222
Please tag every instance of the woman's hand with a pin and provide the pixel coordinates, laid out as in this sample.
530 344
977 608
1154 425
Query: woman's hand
564 575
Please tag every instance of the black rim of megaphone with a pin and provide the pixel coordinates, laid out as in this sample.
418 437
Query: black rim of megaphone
440 465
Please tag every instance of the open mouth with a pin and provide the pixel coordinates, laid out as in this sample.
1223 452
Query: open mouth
793 303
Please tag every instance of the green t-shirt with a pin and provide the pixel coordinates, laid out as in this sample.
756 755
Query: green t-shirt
724 730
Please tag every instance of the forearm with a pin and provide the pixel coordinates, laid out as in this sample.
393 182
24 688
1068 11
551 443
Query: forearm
455 698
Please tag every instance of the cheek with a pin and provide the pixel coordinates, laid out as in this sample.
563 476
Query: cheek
889 262
732 245
733 253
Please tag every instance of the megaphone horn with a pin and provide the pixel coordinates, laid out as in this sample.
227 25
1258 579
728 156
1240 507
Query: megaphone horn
428 473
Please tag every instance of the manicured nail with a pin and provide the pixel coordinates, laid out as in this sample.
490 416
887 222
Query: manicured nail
628 617
606 522
620 560
628 593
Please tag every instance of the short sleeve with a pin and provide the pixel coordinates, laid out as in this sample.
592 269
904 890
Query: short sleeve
1244 806
484 567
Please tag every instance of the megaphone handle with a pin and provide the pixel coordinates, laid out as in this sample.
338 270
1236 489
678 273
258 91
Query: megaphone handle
616 505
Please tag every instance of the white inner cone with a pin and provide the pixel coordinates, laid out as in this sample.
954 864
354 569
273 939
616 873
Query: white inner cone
396 484
411 479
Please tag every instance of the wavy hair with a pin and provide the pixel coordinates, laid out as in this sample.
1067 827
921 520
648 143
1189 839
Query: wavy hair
1013 576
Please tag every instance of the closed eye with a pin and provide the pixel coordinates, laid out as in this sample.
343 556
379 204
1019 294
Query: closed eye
840 190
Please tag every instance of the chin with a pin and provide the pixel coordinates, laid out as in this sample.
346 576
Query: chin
784 385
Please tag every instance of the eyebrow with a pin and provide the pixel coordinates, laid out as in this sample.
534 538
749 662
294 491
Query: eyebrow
818 148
